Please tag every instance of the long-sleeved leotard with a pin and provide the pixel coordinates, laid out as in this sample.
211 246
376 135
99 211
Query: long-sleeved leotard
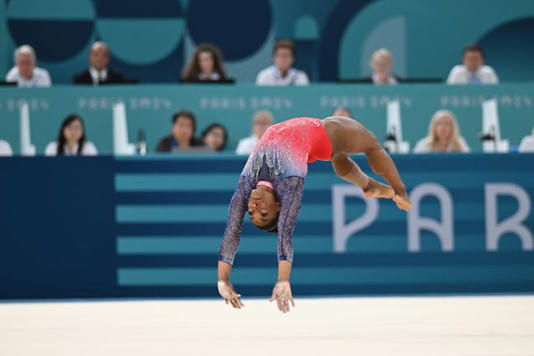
285 148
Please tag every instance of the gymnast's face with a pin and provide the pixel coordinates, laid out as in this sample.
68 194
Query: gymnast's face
262 206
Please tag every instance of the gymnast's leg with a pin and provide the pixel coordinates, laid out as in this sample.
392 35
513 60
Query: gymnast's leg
348 137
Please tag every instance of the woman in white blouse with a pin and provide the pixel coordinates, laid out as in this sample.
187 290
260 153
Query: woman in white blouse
443 135
71 140
381 64
527 143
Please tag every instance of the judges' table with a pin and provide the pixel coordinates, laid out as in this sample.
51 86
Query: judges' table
150 107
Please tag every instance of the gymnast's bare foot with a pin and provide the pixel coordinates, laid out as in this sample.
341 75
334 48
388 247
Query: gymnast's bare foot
375 189
402 201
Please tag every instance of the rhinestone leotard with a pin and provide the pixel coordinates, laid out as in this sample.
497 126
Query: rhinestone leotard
285 148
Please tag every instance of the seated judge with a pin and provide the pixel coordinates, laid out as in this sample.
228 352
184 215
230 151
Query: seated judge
282 72
473 70
527 143
25 72
71 139
98 71
381 64
443 135
260 123
205 65
341 111
5 148
182 137
215 137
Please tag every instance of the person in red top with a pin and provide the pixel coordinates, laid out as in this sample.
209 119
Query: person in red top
272 182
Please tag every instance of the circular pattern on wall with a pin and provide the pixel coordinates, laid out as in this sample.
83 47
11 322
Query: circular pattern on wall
508 48
143 32
246 25
56 29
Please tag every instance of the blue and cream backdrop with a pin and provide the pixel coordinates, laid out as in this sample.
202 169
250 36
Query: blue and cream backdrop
107 227
151 40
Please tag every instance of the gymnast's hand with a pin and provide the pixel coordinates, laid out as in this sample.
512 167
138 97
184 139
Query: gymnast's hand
226 290
282 294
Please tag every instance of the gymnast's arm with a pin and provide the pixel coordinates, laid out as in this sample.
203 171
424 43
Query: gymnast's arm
232 232
290 193
230 243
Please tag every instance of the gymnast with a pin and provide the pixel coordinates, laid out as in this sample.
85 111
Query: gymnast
271 185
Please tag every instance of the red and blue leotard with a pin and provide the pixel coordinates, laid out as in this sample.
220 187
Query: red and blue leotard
286 148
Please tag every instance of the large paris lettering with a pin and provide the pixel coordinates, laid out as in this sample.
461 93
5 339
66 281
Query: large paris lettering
342 231
513 224
443 229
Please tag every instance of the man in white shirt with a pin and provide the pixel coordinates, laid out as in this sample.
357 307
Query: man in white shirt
25 73
98 71
281 72
5 148
381 64
527 143
260 123
473 70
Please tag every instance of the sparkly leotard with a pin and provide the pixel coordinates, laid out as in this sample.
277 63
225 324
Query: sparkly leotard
285 148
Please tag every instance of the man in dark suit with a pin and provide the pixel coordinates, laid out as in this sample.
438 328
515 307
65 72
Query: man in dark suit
98 71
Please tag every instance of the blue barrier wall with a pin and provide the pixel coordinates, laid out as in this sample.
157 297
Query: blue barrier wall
151 227
334 38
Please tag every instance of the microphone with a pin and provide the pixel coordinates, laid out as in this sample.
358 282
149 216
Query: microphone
490 136
140 146
391 136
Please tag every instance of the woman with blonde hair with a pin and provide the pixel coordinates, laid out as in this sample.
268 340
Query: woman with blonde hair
443 135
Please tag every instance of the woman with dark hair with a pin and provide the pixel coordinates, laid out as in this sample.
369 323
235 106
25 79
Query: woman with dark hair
71 140
205 65
272 182
215 137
